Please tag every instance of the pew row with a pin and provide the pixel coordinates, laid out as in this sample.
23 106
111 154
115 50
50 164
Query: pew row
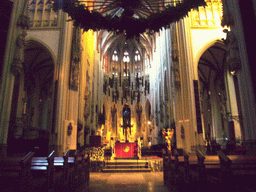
44 173
60 172
15 173
214 172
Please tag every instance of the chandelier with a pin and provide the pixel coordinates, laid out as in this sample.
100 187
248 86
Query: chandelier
130 17
126 88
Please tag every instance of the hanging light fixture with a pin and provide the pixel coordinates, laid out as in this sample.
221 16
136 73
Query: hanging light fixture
130 17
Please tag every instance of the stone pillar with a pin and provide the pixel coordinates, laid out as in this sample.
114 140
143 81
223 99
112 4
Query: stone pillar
12 65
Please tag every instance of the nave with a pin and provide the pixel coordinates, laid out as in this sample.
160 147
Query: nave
99 182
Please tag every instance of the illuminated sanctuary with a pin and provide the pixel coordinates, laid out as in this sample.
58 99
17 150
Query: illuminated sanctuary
123 71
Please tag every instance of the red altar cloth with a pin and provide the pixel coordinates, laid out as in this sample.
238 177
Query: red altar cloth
126 149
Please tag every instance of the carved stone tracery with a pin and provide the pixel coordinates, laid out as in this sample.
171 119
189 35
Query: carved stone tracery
75 59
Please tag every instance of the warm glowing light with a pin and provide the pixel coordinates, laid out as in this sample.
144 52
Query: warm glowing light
233 72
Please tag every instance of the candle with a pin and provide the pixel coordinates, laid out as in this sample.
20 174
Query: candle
24 107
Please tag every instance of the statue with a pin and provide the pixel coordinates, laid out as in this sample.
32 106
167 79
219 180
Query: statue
70 128
113 113
168 137
233 51
18 60
139 112
86 103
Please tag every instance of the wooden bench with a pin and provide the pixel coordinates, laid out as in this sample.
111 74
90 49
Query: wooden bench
238 171
48 172
185 169
16 173
215 172
60 172
171 163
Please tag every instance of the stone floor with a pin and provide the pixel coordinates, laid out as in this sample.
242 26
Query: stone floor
132 182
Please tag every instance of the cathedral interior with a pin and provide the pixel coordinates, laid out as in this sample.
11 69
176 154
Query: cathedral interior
92 81
192 75
69 77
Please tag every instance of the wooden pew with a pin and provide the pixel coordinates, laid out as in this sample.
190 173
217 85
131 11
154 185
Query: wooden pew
171 165
16 170
50 172
238 171
82 168
191 171
221 172
64 173
167 167
210 172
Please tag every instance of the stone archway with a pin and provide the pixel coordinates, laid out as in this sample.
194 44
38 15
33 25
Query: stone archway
33 99
216 95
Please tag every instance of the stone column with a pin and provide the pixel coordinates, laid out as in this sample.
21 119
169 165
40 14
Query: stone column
12 65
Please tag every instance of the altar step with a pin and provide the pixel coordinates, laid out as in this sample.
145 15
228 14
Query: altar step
126 165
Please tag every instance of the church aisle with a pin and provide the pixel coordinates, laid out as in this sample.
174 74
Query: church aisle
125 182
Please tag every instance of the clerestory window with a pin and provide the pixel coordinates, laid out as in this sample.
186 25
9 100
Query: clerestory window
126 63
41 14
115 63
137 62
208 16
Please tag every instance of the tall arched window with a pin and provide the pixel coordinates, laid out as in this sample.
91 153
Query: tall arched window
115 63
137 60
126 63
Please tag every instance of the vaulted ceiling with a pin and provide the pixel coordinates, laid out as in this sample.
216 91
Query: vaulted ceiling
134 8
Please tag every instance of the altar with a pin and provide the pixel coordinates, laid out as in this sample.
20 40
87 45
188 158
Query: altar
126 150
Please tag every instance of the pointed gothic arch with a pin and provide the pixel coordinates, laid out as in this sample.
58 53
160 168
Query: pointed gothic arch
216 94
34 95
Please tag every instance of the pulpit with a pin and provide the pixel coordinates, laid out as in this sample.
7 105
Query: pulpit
126 150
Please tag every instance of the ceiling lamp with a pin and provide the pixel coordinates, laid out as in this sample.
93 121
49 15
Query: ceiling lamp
130 17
